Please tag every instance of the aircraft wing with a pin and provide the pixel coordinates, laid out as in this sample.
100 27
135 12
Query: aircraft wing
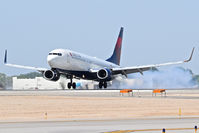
134 69
24 67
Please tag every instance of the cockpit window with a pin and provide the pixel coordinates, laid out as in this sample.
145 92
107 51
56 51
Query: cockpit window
59 54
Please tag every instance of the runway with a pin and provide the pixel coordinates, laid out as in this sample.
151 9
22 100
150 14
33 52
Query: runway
97 111
185 93
115 126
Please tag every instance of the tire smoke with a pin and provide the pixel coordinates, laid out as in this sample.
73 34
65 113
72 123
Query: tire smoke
174 77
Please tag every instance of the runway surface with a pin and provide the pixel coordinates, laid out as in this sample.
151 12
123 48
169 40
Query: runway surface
32 104
186 93
116 126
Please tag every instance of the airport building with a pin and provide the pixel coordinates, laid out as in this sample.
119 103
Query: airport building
33 84
42 84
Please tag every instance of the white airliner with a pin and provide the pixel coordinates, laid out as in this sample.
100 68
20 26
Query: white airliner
75 65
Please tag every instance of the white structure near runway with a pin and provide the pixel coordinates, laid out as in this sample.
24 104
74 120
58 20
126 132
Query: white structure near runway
41 84
36 83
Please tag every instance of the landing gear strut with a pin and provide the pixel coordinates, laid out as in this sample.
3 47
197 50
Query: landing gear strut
102 84
71 83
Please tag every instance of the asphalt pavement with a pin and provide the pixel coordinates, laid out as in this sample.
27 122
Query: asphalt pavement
185 125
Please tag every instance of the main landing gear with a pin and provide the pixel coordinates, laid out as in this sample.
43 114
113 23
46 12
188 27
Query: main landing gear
102 84
71 83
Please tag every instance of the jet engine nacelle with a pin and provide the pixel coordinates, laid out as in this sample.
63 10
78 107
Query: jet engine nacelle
51 75
104 74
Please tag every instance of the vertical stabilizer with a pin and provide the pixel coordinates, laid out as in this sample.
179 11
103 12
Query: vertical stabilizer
115 58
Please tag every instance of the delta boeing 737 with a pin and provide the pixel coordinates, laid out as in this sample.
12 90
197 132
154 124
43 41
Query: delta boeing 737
76 65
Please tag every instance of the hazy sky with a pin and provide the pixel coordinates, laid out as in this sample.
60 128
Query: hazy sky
155 31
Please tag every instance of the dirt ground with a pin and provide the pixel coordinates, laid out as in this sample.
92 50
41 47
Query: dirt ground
63 107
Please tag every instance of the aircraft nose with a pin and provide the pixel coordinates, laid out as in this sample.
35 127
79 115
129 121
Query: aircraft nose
51 59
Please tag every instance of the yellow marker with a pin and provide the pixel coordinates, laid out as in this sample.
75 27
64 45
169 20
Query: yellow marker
46 115
180 112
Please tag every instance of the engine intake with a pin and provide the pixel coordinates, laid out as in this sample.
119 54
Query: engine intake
51 75
104 74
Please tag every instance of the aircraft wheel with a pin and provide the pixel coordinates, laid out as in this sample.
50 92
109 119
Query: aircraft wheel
100 85
105 84
74 85
69 85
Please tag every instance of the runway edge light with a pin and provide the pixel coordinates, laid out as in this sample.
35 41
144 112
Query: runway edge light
163 130
196 129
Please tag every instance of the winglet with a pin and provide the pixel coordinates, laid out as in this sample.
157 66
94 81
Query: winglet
190 56
5 58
